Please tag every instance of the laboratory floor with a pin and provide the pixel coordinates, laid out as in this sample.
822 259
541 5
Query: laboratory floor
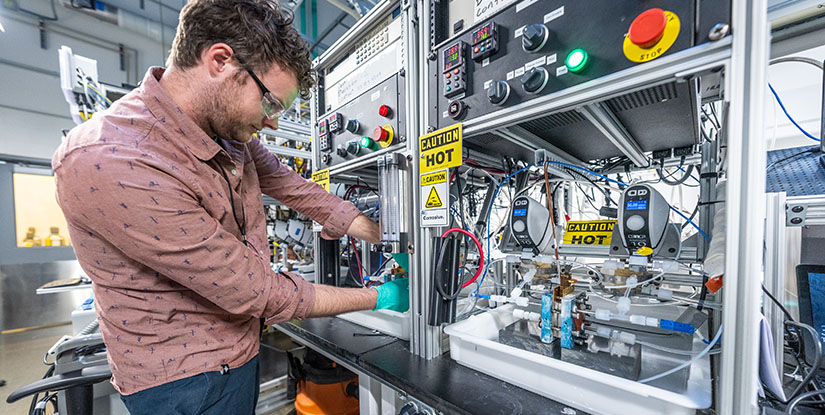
21 362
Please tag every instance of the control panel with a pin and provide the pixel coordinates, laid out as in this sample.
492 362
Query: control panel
361 96
369 123
534 48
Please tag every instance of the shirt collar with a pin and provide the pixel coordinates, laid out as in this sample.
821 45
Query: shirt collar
165 110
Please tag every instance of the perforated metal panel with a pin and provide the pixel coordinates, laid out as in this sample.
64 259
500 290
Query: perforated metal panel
802 175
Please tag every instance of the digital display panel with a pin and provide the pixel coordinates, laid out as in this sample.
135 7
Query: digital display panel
816 284
636 205
483 33
519 212
452 56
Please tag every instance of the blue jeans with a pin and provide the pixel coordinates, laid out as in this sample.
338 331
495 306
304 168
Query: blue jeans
209 393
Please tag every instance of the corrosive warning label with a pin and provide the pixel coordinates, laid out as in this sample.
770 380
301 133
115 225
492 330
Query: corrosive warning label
593 232
434 188
433 200
440 149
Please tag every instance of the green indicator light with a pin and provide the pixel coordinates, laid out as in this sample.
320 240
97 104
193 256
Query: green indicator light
576 60
366 142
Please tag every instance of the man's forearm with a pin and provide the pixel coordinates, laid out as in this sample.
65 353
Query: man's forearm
365 229
330 301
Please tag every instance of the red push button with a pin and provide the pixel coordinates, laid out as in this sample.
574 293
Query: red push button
380 134
448 75
384 111
476 49
648 28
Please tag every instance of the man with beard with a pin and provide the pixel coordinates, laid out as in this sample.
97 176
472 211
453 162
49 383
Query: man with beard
162 193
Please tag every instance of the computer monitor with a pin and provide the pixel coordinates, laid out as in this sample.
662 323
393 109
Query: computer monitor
811 287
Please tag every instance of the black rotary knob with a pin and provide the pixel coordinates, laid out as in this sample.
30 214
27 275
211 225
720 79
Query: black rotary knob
498 92
535 80
353 147
534 37
353 126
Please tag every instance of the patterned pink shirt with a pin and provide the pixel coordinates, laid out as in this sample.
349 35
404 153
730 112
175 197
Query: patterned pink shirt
177 292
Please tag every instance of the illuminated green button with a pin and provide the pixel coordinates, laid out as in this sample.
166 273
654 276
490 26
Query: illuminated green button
367 142
577 60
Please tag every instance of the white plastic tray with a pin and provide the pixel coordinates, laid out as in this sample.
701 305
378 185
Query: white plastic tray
473 344
386 321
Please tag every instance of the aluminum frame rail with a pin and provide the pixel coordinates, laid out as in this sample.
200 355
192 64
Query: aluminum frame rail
744 57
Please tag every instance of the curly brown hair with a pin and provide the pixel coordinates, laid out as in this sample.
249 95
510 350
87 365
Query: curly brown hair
259 32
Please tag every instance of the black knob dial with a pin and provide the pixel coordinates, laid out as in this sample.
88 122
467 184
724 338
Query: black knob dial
534 37
353 147
535 80
342 152
498 92
353 126
326 159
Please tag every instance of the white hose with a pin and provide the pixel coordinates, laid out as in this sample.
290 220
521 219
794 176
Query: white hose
673 351
701 354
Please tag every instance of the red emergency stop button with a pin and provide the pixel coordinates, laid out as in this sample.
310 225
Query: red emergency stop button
380 134
384 111
648 28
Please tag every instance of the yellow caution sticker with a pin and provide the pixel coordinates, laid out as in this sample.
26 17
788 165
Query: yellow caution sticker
433 200
322 178
434 178
434 192
644 251
590 232
639 54
440 149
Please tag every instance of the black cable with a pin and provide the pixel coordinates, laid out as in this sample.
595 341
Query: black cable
33 405
678 181
811 150
600 187
703 295
778 304
587 197
792 404
461 214
817 360
437 274
718 123
370 188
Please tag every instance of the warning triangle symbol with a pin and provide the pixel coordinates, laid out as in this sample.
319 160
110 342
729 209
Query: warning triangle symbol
433 201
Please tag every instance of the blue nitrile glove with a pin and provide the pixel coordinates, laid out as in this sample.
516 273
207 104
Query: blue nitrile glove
393 295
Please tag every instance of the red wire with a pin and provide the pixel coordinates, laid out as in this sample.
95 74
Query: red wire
480 252
358 260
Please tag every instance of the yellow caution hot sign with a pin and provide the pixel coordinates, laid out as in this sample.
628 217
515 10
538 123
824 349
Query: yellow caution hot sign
440 149
591 232
322 178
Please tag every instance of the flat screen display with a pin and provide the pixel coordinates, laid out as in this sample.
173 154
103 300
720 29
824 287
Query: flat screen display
816 284
636 205
519 212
